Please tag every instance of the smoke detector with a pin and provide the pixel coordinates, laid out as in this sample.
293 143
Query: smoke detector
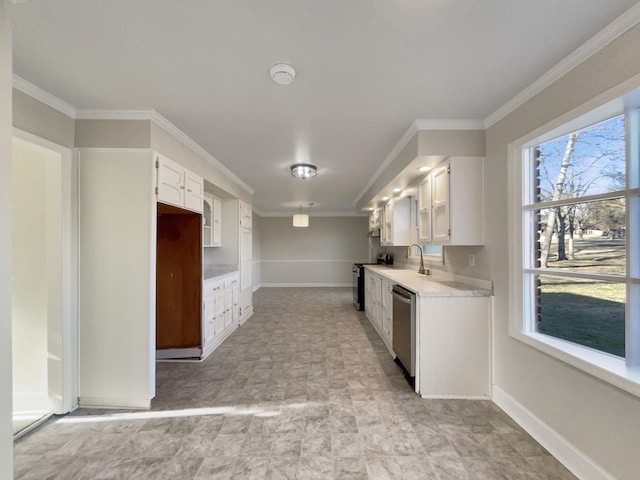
283 74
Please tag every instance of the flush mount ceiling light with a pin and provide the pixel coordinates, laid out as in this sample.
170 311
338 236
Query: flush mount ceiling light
283 74
302 219
303 170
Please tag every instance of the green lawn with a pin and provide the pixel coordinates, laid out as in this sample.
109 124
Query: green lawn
589 313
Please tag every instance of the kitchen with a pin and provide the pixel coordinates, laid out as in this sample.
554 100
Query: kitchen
550 397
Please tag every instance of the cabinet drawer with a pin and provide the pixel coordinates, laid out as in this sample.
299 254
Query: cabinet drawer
231 281
213 286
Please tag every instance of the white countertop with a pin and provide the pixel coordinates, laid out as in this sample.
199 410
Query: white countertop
439 284
216 273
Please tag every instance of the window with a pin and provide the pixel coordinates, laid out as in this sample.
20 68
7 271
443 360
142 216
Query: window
576 261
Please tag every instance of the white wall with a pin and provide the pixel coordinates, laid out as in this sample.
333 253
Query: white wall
599 421
6 433
257 251
117 277
321 254
30 280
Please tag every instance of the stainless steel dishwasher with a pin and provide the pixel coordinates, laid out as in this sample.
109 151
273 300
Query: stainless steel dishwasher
404 329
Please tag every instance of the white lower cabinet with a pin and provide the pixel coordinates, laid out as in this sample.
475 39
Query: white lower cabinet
207 321
221 314
454 347
453 333
378 306
386 309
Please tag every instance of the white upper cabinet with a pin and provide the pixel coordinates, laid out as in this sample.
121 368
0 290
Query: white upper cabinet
211 219
440 221
424 210
456 213
245 215
170 181
194 191
396 218
178 186
375 219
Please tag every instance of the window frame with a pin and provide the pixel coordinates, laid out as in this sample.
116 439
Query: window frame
622 373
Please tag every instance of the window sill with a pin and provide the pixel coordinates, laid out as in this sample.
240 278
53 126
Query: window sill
608 368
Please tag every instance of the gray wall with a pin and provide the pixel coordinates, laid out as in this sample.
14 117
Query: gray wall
6 431
321 254
41 120
113 133
600 420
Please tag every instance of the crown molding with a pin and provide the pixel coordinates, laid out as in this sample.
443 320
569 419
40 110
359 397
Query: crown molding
84 114
415 127
317 214
189 142
161 121
43 96
56 103
453 124
600 40
404 139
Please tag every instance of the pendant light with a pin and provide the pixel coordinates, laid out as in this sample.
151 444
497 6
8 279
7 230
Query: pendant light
301 219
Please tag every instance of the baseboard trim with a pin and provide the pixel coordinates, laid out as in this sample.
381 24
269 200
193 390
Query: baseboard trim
173 353
289 285
246 314
566 453
113 402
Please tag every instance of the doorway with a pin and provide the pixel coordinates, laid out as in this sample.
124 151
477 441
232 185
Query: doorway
44 322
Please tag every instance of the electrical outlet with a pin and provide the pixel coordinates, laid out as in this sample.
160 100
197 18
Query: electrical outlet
472 260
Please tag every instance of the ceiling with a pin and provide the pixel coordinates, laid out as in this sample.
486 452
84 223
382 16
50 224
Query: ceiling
366 69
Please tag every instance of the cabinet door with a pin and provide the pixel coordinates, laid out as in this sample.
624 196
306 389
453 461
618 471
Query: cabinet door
374 219
207 220
207 315
228 307
245 215
216 226
170 182
387 309
194 190
424 210
440 201
387 224
245 259
235 310
218 308
376 285
367 293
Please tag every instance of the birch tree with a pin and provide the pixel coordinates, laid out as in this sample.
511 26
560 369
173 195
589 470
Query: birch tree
547 233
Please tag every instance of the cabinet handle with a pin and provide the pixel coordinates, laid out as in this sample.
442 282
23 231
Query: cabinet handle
189 190
182 187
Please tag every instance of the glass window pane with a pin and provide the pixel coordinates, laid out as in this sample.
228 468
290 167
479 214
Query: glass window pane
587 237
586 312
587 162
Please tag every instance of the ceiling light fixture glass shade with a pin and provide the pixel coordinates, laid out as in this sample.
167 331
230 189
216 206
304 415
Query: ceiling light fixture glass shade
304 170
300 220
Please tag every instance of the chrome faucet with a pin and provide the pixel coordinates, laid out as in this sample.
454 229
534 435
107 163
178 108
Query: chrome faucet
421 269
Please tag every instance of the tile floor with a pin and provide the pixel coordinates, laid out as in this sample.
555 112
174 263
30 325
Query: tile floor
305 389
